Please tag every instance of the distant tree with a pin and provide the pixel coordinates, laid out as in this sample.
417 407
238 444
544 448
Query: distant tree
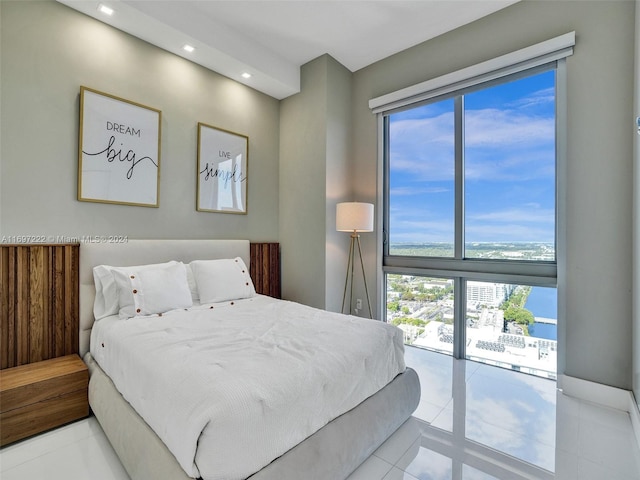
519 315
409 321
408 296
393 306
423 297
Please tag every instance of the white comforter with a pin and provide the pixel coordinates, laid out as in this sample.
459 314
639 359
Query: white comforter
229 389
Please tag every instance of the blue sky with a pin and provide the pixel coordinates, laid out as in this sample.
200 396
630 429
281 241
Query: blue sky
509 166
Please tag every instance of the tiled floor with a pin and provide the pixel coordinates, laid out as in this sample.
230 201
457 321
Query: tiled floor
474 422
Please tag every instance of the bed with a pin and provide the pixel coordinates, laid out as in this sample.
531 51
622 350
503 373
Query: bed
354 411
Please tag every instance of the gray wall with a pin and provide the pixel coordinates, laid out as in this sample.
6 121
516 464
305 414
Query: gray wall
48 52
595 335
338 181
314 154
302 180
636 219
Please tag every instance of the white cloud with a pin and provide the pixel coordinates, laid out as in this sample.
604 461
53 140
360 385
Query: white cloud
541 97
499 144
502 128
409 191
424 147
516 215
516 224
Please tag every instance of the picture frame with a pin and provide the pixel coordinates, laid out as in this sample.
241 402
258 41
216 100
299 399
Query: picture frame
118 150
222 170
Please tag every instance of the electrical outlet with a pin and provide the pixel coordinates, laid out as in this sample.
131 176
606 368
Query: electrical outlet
359 303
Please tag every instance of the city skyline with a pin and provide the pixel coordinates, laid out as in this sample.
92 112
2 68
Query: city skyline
423 308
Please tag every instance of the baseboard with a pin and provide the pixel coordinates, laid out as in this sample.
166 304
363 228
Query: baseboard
605 395
634 413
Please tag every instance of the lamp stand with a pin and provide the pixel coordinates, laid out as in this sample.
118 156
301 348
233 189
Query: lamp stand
355 239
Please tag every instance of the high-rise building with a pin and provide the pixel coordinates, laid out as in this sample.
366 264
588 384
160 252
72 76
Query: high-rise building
490 294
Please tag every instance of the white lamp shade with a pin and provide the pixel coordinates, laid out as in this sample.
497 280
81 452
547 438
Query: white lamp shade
354 217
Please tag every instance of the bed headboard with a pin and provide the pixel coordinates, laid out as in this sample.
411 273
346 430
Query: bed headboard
142 252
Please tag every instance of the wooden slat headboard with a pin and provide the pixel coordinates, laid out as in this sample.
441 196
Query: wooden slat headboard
39 297
38 302
265 268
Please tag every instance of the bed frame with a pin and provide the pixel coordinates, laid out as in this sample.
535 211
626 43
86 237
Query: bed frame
333 452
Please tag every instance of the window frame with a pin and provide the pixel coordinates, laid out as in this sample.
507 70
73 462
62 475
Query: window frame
459 268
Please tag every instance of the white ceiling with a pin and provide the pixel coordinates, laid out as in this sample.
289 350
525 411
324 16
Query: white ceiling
271 39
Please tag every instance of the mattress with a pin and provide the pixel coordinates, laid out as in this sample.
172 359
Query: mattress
232 386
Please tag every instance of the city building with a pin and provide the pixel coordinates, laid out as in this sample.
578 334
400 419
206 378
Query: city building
489 294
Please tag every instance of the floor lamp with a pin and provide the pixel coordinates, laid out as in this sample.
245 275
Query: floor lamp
354 217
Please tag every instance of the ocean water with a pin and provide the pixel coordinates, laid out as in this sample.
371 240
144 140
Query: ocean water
543 302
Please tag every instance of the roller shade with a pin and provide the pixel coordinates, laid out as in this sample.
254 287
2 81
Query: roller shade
514 62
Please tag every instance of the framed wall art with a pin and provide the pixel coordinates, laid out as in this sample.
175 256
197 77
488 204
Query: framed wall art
222 170
119 150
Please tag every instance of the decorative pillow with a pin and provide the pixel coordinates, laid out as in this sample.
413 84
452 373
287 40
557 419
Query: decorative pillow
222 280
159 288
152 289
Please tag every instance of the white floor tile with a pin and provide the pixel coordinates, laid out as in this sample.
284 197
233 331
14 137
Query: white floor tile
90 458
567 424
609 445
33 447
397 474
427 411
470 473
396 446
444 420
425 464
588 470
512 444
566 466
374 468
608 417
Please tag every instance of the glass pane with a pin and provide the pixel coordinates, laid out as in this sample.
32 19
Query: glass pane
421 181
513 326
509 170
423 308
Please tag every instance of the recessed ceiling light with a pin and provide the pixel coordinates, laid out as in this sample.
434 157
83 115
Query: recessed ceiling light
188 48
246 75
106 10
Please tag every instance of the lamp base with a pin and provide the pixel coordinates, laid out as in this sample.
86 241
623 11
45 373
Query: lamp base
348 282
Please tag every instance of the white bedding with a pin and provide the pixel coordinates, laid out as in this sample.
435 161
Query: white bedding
229 389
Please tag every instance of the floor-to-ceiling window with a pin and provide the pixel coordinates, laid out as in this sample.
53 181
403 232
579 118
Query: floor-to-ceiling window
470 219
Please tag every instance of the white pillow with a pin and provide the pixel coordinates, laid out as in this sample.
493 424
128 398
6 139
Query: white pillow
222 280
106 301
159 288
152 289
192 285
